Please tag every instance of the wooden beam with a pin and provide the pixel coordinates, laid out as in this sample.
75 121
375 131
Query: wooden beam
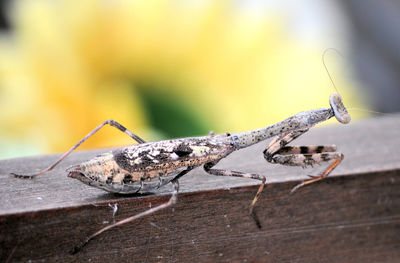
352 216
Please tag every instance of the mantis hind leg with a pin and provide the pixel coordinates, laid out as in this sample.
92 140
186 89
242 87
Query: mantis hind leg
171 201
109 122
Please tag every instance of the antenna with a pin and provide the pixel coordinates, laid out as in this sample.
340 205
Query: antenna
333 83
326 68
371 111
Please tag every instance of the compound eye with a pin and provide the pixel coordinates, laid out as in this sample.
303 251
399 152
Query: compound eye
339 109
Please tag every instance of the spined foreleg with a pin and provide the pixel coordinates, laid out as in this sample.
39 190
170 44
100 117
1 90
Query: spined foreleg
302 156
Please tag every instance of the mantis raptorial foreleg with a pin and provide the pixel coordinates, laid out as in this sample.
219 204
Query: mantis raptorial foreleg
302 156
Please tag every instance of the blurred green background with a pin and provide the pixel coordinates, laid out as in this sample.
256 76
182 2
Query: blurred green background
166 69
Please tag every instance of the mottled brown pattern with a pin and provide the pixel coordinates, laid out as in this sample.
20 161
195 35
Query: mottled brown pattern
147 166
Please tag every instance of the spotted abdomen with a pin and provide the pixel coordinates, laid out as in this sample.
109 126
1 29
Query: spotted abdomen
145 167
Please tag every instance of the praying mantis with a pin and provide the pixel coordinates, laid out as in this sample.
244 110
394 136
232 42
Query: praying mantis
147 166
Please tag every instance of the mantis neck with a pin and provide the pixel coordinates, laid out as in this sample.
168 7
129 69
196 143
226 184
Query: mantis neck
302 120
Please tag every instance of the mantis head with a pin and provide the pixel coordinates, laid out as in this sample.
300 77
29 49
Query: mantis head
340 111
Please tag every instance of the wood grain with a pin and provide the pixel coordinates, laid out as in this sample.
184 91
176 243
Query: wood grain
353 216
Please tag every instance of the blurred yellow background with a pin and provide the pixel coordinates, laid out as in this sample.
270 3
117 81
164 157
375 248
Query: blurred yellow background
163 69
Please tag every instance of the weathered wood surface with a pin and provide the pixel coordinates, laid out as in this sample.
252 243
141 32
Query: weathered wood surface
353 216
